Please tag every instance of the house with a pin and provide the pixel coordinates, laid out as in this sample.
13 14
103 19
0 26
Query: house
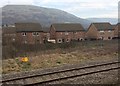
104 31
46 34
8 35
29 33
66 32
117 31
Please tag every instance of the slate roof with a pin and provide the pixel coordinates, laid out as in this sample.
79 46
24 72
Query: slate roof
103 26
8 30
62 27
118 25
113 26
46 29
28 27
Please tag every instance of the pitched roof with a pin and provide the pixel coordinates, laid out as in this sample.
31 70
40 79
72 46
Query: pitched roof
8 30
118 24
113 26
68 27
103 26
28 27
46 29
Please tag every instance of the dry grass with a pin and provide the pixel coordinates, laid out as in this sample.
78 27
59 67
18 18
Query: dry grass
10 65
59 57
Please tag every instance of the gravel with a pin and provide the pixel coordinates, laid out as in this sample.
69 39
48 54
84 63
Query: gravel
109 77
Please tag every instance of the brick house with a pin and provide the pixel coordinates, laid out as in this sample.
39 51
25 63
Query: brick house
46 34
8 35
117 31
29 33
104 31
66 32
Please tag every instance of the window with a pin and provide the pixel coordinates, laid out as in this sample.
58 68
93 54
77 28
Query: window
67 40
75 32
101 33
66 33
24 34
101 38
63 40
33 33
59 40
37 33
109 37
81 39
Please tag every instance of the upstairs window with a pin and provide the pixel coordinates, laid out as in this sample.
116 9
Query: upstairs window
66 33
102 33
33 33
75 32
37 33
24 34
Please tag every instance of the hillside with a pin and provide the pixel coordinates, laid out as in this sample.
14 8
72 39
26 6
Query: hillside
44 16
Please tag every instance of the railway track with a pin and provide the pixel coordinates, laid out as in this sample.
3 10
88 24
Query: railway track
47 77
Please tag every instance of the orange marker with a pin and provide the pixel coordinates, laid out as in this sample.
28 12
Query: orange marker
24 59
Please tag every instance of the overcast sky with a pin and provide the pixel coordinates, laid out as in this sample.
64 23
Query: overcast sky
80 8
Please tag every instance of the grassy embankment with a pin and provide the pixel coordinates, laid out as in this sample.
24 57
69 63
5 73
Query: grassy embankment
51 55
